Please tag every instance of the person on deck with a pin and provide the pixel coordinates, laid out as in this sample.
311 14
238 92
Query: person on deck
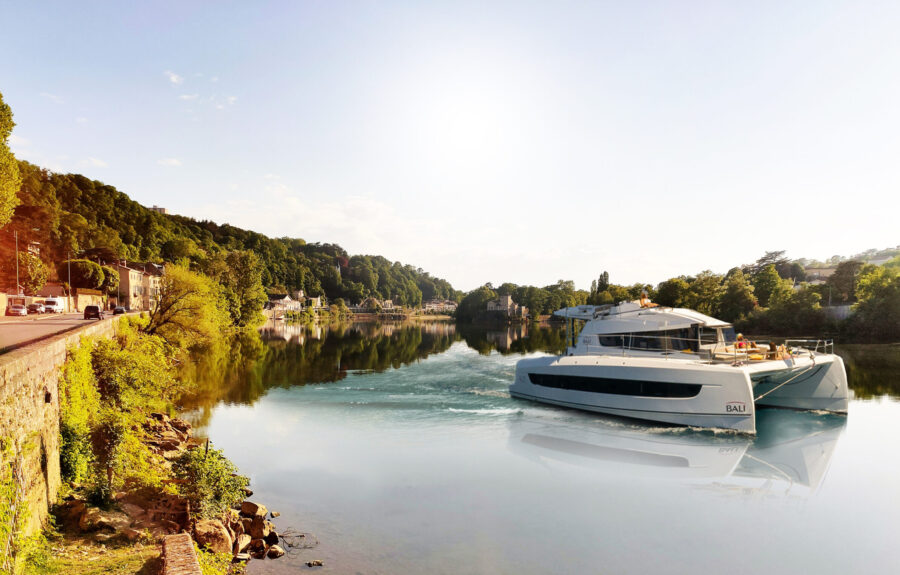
645 300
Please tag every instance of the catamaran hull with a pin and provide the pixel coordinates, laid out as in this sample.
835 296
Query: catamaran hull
819 383
639 388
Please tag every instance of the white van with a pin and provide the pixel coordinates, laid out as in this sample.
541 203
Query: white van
54 305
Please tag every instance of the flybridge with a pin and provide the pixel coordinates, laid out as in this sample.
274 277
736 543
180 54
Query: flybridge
673 315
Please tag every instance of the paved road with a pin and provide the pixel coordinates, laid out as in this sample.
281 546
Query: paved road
16 330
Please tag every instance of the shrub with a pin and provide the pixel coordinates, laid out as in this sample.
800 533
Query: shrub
79 402
212 484
217 563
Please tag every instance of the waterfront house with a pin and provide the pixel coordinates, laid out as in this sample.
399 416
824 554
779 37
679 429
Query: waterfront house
505 305
439 306
283 302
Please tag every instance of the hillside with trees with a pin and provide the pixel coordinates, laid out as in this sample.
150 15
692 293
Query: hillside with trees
69 215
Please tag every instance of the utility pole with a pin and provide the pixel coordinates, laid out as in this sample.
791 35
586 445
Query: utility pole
69 262
18 289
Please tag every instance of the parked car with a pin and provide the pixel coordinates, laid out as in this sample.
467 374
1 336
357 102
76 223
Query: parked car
16 309
119 310
93 311
35 308
54 305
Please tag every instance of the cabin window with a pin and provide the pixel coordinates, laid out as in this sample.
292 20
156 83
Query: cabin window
709 336
666 340
612 340
616 386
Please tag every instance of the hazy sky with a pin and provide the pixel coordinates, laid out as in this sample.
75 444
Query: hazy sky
482 141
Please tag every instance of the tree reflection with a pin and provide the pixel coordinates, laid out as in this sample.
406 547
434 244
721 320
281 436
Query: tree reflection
243 368
872 370
520 339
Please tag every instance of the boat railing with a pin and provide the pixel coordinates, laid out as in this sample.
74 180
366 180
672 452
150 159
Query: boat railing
709 351
824 346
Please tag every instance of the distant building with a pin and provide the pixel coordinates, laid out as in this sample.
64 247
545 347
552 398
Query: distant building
818 275
159 209
439 306
150 282
880 260
284 302
131 286
507 306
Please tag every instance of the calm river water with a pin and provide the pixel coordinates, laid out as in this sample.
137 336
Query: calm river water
399 450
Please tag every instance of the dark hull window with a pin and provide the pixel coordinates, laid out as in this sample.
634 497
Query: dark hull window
616 386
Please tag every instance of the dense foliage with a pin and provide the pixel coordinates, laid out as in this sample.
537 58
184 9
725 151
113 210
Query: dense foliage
191 308
82 273
9 168
69 214
764 297
211 482
106 390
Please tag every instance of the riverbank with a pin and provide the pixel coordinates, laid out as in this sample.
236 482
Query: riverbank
130 473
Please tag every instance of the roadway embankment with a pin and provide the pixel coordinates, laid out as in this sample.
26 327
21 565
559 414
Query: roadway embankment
29 415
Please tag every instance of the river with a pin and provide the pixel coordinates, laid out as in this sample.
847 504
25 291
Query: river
398 450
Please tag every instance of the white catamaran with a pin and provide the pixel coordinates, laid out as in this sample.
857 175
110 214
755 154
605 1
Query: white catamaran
675 365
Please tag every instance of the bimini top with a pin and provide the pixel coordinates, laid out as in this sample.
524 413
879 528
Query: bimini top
629 317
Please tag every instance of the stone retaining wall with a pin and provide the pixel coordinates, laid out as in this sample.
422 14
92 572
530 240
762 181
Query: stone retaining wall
29 413
179 557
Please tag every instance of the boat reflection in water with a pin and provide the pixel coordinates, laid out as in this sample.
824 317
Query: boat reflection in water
792 449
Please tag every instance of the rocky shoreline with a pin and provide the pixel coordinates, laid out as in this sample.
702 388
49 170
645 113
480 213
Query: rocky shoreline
246 531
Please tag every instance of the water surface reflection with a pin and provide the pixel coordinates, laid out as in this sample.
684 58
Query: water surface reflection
400 448
793 450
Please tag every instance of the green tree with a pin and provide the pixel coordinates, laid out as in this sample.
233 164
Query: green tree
32 273
211 482
843 280
191 308
243 286
10 178
133 375
704 292
766 283
110 280
178 249
737 300
776 259
619 293
602 298
792 311
603 281
474 303
673 292
85 274
877 316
